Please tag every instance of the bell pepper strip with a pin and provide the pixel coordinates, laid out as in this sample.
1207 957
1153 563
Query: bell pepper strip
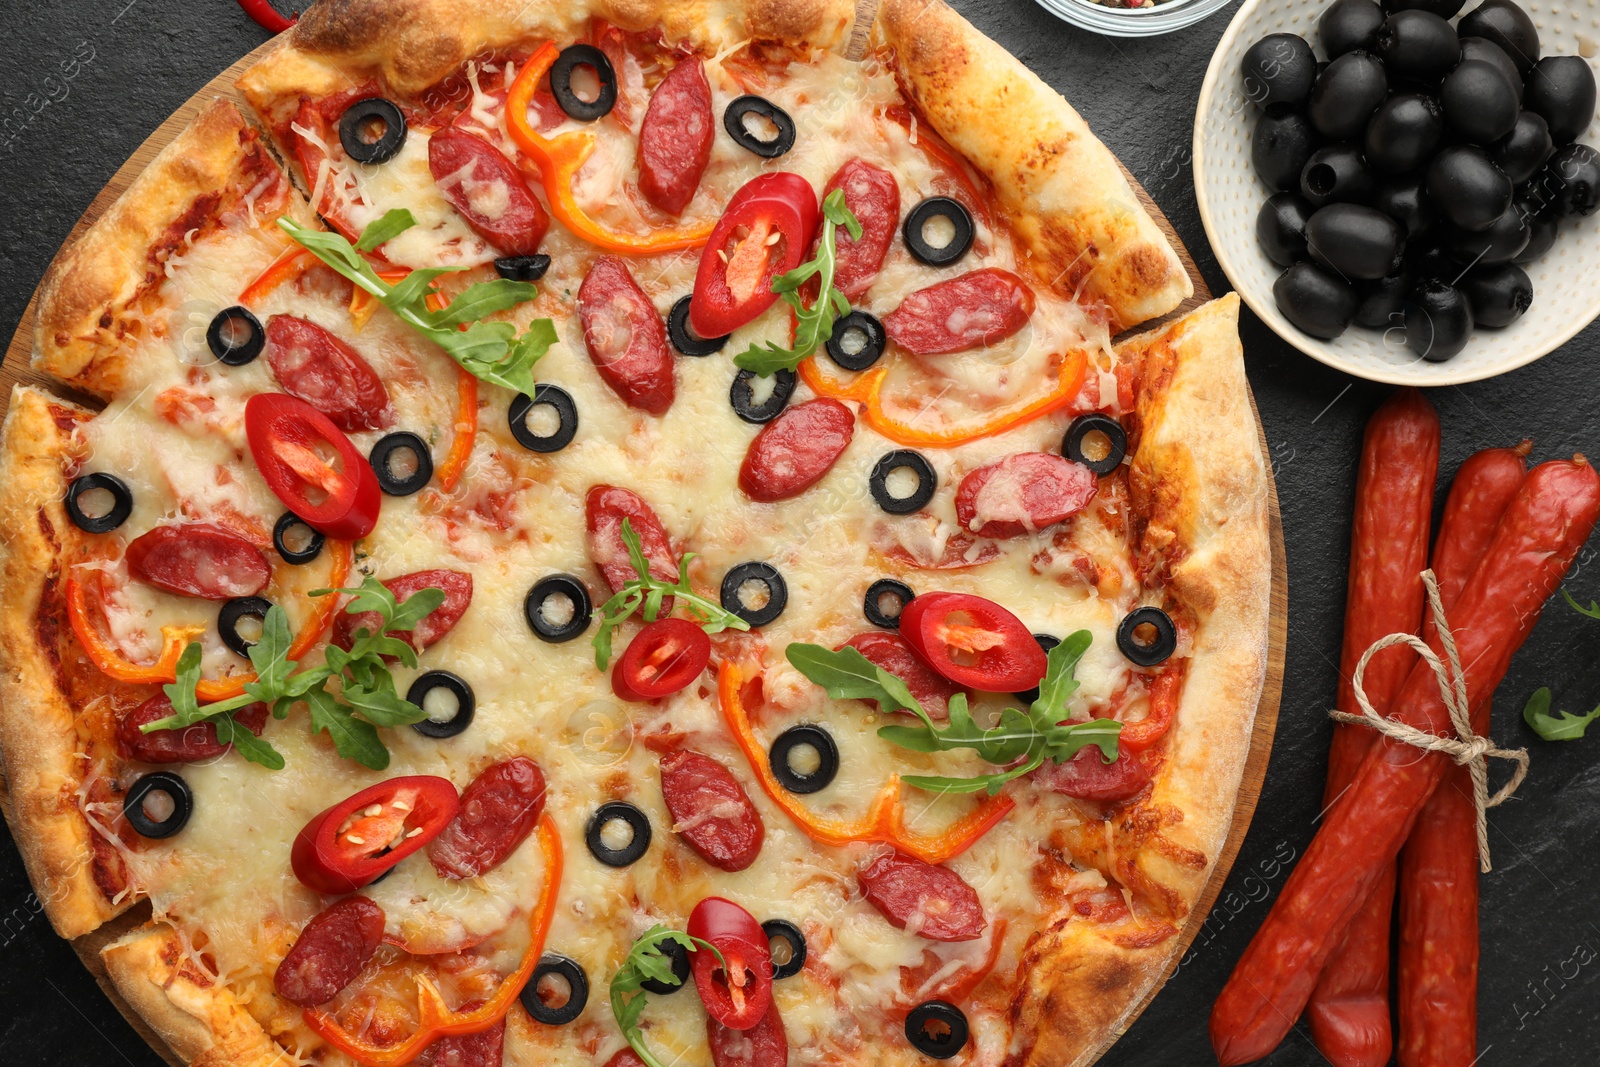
286 267
941 155
867 389
267 17
363 304
435 1018
884 822
1165 689
466 432
560 158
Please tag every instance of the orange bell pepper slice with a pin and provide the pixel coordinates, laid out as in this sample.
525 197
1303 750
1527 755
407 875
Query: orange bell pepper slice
560 158
291 264
466 432
435 1019
884 822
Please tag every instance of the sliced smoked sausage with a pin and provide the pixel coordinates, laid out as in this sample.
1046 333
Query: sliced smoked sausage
488 191
499 809
923 898
794 451
330 952
625 337
200 560
675 139
982 307
710 810
314 365
1023 493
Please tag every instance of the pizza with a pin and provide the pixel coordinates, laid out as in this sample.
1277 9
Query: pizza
630 534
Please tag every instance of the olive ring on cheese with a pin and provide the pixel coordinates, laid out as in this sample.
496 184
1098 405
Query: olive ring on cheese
766 574
903 459
937 1028
393 447
791 935
522 268
742 396
234 612
169 785
1072 445
1155 651
114 516
877 592
357 122
804 736
618 811
733 122
235 336
857 341
571 974
682 335
556 399
571 58
679 956
291 525
457 686
938 207
563 586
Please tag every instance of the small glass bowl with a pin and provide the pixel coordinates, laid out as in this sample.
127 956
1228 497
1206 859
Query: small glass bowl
1165 17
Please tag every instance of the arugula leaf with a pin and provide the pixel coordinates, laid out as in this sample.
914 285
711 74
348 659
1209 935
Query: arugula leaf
645 963
1593 610
647 591
352 738
247 744
490 351
848 675
1568 727
813 325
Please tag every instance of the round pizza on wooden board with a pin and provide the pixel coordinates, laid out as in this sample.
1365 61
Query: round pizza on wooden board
1000 878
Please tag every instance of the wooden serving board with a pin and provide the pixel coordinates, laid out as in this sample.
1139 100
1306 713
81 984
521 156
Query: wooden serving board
16 369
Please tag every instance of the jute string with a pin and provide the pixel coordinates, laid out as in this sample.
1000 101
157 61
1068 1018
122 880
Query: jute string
1466 748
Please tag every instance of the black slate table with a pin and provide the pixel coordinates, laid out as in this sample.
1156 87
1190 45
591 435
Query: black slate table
85 81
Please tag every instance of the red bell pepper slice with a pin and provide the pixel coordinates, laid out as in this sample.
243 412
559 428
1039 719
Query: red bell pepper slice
666 655
973 642
765 231
350 844
736 989
311 466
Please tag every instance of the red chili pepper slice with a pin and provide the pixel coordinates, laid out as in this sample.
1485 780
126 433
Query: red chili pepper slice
765 231
311 466
350 844
973 642
736 990
666 655
267 17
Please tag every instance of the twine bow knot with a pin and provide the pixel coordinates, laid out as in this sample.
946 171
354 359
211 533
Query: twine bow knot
1466 748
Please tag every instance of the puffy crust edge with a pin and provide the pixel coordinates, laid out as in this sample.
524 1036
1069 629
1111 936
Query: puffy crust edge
37 725
200 1019
1063 190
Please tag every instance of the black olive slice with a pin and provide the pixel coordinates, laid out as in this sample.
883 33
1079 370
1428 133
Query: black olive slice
680 968
571 58
1151 653
564 587
766 574
174 788
1046 642
817 740
938 207
570 972
522 268
1116 439
682 335
857 341
357 121
937 1028
396 446
235 336
114 516
733 122
614 812
881 590
556 399
904 459
742 395
791 935
387 871
291 530
466 703
233 612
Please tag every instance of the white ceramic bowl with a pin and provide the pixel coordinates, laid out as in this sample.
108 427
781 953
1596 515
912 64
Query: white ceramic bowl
1566 281
1165 17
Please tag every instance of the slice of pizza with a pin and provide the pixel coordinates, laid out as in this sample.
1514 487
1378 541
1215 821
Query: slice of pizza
641 501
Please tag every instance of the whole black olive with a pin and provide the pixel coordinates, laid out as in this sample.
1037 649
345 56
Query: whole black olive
1562 90
1486 51
1279 69
1468 188
1404 133
1338 173
1430 259
1347 25
1418 44
1445 9
1479 104
1498 295
1314 300
1572 180
1544 224
1355 242
1281 228
1500 243
1438 320
1383 301
1283 142
1406 201
1508 26
1346 94
1524 150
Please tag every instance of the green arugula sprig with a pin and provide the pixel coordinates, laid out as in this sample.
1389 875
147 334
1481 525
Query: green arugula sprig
490 351
646 962
367 697
646 592
815 324
1536 713
1021 740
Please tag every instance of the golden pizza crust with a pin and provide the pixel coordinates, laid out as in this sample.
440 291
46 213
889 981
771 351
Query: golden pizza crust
1063 191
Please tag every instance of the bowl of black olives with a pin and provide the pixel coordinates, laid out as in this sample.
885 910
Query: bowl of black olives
1408 190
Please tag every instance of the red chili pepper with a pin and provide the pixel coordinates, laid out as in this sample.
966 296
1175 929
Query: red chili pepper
973 642
350 844
765 231
737 989
666 655
339 498
267 17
